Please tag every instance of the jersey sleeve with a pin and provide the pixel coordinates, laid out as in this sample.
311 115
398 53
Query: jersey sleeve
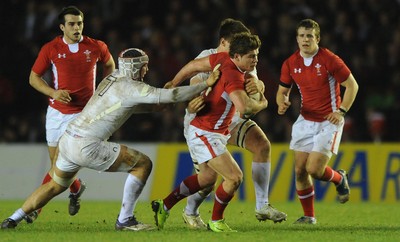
235 81
42 62
182 93
105 52
217 58
285 79
147 94
338 69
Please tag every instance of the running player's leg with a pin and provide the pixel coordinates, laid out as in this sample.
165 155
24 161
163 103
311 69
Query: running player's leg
138 166
247 134
232 176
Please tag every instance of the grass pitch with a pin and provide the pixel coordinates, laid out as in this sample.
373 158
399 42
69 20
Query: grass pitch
95 222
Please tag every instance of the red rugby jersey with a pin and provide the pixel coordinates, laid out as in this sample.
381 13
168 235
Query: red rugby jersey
318 83
72 71
219 109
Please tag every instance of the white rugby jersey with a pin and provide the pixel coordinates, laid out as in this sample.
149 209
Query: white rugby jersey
118 97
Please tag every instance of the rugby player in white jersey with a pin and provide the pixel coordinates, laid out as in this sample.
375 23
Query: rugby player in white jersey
84 143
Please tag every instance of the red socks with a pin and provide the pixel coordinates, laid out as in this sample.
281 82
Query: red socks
306 197
221 201
187 187
75 186
331 175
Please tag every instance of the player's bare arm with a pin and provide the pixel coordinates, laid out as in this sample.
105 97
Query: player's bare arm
349 96
108 67
335 117
253 85
41 85
196 104
350 93
214 76
190 69
245 105
282 99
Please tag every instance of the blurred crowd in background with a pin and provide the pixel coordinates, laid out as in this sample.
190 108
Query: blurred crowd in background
364 33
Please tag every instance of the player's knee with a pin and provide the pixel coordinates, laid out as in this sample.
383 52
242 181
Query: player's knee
257 142
314 172
207 179
136 160
301 173
237 180
144 165
263 148
147 164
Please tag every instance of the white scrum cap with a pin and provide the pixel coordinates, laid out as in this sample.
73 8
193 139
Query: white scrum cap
131 61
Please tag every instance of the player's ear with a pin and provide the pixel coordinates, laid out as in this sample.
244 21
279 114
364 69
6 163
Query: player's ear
143 71
224 43
318 39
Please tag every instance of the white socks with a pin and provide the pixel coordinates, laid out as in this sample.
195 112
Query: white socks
261 173
18 215
193 203
133 188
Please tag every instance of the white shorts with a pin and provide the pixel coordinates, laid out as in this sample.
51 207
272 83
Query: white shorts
323 137
204 145
77 152
56 124
236 120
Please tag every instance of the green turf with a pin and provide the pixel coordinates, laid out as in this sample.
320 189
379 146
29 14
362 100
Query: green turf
95 222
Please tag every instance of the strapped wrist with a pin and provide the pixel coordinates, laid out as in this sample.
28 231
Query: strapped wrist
341 111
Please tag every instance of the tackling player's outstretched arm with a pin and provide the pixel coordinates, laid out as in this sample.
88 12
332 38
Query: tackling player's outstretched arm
190 69
172 95
186 93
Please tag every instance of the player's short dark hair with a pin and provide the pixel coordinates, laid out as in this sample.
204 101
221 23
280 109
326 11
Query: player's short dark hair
68 10
230 27
309 24
243 43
